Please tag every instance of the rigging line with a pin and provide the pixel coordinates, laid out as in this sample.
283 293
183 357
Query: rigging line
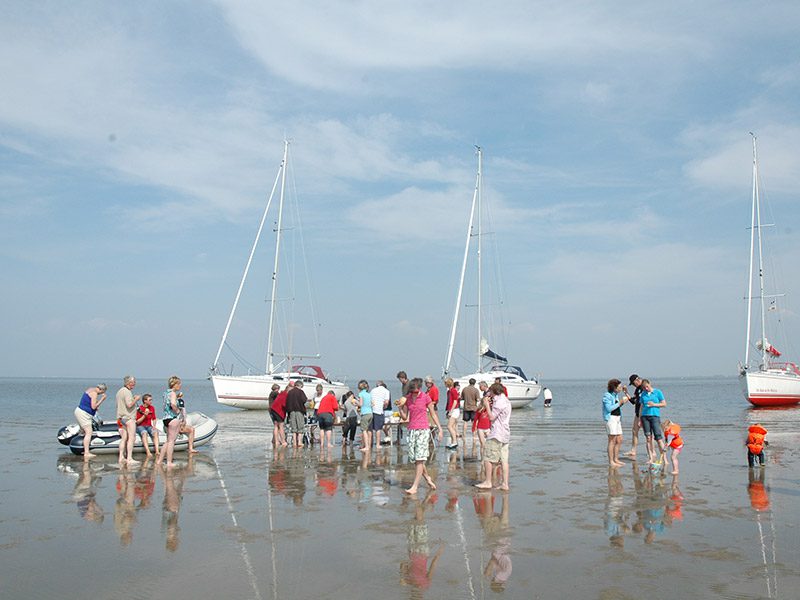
272 538
245 555
463 537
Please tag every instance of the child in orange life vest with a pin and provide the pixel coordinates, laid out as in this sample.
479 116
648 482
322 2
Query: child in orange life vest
676 444
755 444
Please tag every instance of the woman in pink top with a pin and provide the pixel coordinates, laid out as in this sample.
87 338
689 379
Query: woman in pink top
416 406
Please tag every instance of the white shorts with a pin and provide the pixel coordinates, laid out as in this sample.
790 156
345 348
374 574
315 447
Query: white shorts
614 425
455 414
84 419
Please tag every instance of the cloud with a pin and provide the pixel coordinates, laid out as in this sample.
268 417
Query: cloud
408 329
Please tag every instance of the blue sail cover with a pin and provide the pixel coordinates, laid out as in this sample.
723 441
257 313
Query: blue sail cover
494 356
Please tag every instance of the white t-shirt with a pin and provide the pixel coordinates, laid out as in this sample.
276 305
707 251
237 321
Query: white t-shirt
379 396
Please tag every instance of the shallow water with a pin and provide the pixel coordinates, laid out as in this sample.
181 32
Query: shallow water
243 522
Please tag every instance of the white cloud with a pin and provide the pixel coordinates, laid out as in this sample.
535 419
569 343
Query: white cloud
408 329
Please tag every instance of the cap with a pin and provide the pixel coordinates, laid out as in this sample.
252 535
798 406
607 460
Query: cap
632 378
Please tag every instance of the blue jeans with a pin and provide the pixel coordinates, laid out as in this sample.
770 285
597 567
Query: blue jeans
651 425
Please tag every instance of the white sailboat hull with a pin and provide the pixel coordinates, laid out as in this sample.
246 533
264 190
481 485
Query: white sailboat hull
251 392
772 387
521 392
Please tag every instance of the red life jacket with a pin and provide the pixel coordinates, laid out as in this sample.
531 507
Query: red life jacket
755 439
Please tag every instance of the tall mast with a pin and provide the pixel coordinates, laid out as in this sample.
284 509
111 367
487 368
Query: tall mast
451 344
214 366
757 201
270 365
752 249
480 243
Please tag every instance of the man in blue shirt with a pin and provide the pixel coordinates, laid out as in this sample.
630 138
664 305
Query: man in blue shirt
652 401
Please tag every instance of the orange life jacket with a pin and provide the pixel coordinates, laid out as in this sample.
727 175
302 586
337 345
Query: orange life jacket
676 443
674 430
755 439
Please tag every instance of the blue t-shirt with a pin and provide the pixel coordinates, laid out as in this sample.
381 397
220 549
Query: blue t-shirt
654 396
366 402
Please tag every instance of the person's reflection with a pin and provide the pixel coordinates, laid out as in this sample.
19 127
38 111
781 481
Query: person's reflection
85 495
125 509
277 472
173 495
757 490
497 533
296 480
655 514
614 520
675 504
416 572
145 486
327 482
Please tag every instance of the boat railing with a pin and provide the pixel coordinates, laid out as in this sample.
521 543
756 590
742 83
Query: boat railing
789 367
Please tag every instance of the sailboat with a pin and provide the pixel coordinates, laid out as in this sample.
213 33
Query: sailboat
252 391
490 365
765 380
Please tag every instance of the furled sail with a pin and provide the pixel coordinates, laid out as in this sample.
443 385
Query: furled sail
488 353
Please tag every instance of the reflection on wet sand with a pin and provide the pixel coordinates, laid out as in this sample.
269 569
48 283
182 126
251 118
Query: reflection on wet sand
85 494
418 570
497 536
174 480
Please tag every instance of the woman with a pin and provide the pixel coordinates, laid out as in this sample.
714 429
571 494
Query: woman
173 415
350 407
453 412
326 416
277 412
612 415
87 408
481 423
416 407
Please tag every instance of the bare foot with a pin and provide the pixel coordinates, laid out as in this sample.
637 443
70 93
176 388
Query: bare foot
193 451
133 462
618 463
483 485
631 453
673 472
410 491
89 455
502 488
431 484
170 465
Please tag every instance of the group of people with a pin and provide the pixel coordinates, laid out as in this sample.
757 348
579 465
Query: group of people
135 419
486 407
647 402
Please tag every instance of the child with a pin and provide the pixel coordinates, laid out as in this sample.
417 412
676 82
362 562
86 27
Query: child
145 424
674 430
755 444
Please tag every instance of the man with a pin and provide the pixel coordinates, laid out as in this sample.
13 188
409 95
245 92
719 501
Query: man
469 400
496 451
404 382
433 392
636 381
379 396
364 401
296 411
126 419
548 397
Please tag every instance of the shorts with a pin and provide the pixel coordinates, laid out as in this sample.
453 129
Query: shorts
148 429
614 425
167 422
276 418
325 421
84 419
366 421
377 421
651 425
454 414
495 451
418 442
122 422
297 421
468 415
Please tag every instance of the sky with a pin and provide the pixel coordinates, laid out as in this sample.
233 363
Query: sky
139 143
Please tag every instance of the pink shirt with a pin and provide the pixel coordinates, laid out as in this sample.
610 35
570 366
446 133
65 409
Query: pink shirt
501 411
418 411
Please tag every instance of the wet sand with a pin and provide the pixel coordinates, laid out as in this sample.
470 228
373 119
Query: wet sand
240 520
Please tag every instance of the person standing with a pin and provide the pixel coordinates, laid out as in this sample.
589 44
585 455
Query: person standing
379 396
350 408
653 401
469 404
404 382
91 400
277 412
417 406
364 401
612 415
548 397
126 419
433 392
296 410
326 417
172 417
635 381
481 423
496 450
453 412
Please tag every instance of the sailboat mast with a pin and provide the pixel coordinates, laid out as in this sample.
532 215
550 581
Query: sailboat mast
752 255
757 200
246 271
480 243
451 344
270 365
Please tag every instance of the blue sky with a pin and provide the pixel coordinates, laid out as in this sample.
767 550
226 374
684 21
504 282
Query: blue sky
139 141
